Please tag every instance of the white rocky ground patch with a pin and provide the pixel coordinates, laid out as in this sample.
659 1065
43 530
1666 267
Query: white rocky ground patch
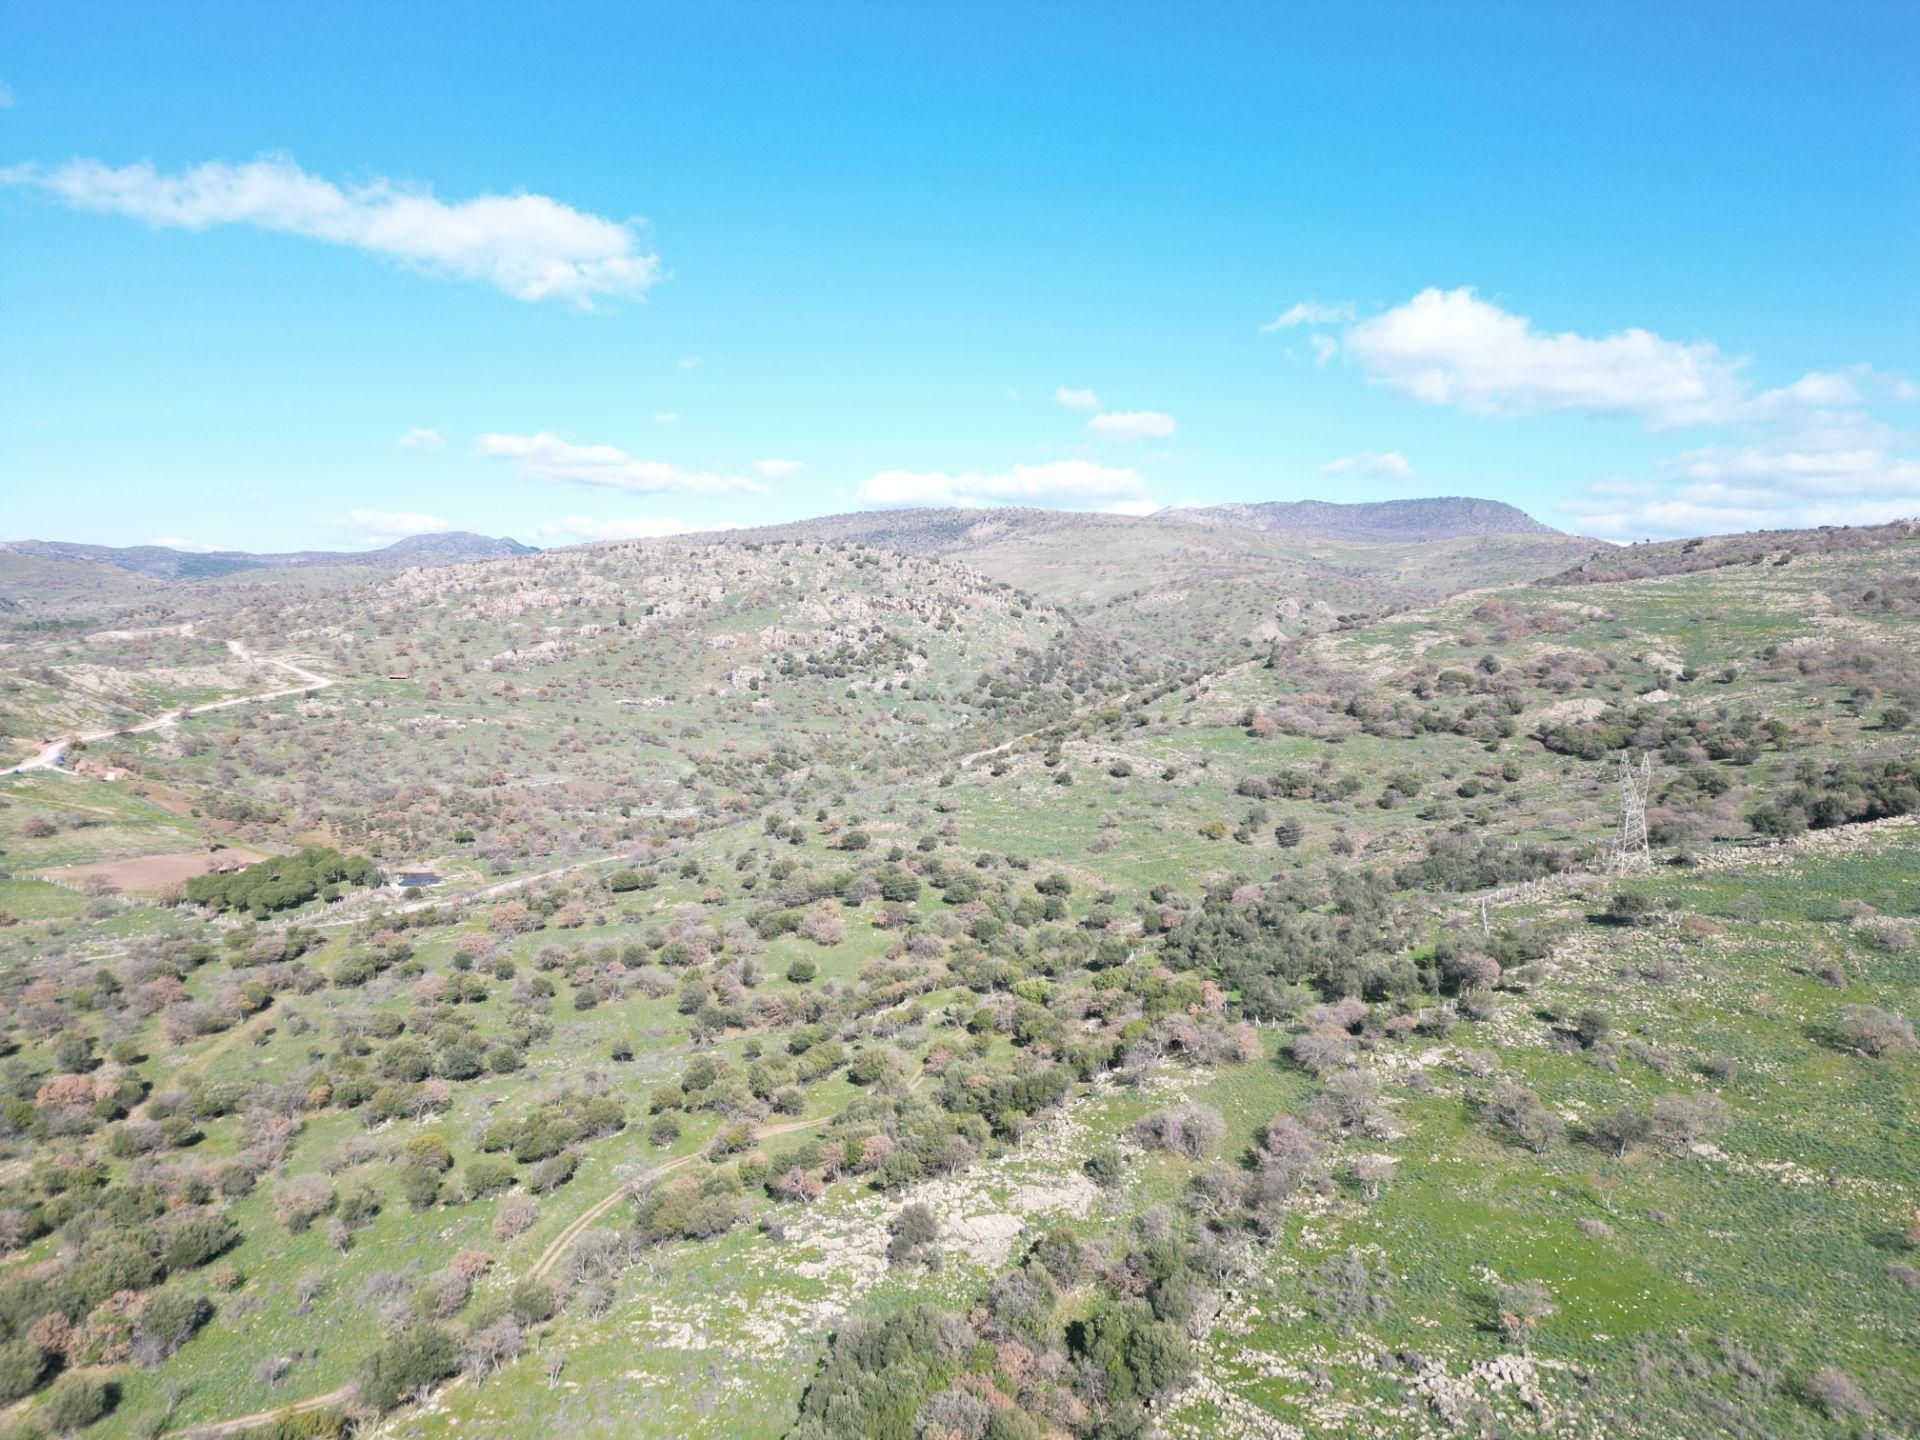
836 1251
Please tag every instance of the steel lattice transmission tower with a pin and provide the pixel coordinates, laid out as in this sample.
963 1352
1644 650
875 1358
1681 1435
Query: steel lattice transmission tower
1631 852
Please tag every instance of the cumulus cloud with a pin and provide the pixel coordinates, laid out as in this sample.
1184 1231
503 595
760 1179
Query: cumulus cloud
1450 347
1805 453
1070 483
528 246
1076 399
418 439
587 527
1131 425
390 525
1711 511
1817 389
1863 468
1310 312
1843 469
778 469
545 456
1389 466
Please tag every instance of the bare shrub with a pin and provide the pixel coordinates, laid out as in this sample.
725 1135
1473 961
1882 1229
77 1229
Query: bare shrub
515 1216
1523 1115
302 1200
823 925
1838 1393
1190 1130
1873 1031
1320 1049
1890 936
1373 1172
1346 1291
1519 1308
1683 1121
487 1350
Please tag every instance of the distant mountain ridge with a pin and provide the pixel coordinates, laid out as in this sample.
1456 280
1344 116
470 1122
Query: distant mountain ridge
943 531
162 562
913 531
1439 517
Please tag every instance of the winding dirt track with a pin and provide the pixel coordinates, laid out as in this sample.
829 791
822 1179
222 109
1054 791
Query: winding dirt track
555 1252
263 1417
48 758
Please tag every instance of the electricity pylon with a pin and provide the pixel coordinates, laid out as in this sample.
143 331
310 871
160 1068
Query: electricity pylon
1631 853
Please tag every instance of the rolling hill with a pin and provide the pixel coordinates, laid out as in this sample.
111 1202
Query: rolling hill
162 562
948 978
1449 517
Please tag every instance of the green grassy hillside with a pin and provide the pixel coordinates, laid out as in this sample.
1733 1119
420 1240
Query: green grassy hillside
865 996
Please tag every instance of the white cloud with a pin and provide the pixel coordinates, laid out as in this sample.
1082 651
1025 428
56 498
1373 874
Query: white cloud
1325 347
1131 425
586 527
1776 467
1801 454
1076 399
546 456
529 246
1708 512
1449 347
1310 312
389 525
1072 483
690 362
1133 507
6 103
1813 391
778 469
1842 472
418 439
1390 466
666 417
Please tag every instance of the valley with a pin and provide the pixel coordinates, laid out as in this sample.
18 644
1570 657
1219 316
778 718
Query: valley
947 973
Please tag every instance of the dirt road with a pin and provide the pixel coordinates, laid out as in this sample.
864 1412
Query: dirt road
48 758
550 1257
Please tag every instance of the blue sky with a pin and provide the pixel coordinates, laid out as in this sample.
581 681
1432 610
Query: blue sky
287 277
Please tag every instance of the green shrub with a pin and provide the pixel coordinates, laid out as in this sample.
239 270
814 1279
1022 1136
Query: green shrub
531 1302
420 1355
199 1241
77 1401
1139 1355
485 1177
281 882
308 1425
22 1367
420 1185
173 1317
